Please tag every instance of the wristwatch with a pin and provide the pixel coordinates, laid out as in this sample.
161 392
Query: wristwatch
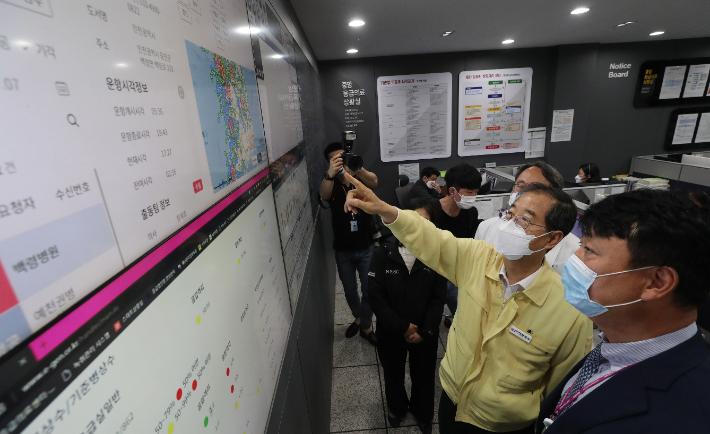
326 177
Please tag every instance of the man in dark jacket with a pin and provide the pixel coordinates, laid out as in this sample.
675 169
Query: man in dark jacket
641 273
408 299
426 187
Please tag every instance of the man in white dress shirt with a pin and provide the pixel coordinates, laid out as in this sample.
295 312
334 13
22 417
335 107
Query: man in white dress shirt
640 275
527 174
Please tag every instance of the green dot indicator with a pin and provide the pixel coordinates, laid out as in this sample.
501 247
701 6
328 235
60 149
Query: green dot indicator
207 419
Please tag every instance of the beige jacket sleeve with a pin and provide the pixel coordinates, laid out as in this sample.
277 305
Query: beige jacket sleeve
439 250
576 345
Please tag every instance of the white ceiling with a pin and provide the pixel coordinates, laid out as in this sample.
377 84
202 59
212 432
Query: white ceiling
395 27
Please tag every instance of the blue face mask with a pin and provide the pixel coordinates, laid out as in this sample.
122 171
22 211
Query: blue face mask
577 278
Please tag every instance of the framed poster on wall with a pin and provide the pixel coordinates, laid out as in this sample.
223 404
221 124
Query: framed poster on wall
494 107
673 82
415 116
688 129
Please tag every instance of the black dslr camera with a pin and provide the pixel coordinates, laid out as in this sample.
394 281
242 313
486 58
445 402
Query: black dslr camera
354 162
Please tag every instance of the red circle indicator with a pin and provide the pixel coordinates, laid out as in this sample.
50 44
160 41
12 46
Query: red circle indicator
179 394
227 372
194 384
232 388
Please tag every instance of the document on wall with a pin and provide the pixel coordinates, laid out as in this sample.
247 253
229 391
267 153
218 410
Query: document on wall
684 129
562 121
696 81
494 107
415 116
411 171
703 134
536 142
672 82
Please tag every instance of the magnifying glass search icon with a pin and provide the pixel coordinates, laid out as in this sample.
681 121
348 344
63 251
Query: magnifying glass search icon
72 119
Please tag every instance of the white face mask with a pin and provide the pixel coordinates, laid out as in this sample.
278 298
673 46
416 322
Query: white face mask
513 196
466 201
578 179
512 241
430 184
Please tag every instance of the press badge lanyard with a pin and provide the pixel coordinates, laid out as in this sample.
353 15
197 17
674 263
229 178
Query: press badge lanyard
353 222
567 401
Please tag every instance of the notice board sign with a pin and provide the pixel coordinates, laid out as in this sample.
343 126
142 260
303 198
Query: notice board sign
673 82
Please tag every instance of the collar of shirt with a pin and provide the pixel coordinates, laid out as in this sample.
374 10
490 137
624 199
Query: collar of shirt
622 355
509 289
407 257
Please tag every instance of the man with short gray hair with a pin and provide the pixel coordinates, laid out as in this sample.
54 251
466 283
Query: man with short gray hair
542 173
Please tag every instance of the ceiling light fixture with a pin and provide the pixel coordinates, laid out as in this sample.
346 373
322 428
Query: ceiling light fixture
626 23
579 11
447 33
121 65
277 56
508 41
657 33
352 51
356 23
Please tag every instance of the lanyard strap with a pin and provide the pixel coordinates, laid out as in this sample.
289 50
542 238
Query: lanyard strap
566 402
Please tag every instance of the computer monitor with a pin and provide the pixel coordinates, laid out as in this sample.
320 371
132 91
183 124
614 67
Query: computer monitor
188 338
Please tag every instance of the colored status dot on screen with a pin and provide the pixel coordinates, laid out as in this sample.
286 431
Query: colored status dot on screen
207 419
171 428
227 372
257 390
194 384
236 404
179 394
199 319
239 260
232 388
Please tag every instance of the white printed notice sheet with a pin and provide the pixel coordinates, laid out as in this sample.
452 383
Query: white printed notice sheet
415 116
494 107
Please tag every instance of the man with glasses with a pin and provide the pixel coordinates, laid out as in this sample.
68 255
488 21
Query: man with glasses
527 174
515 336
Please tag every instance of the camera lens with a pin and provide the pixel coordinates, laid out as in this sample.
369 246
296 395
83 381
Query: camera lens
355 163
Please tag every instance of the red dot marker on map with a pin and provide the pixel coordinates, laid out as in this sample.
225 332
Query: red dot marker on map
194 384
179 394
227 372
232 388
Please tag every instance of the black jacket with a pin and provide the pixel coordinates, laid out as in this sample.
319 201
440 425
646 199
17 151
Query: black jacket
398 297
419 189
667 393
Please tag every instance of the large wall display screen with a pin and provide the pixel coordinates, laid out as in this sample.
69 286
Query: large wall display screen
494 108
121 122
188 339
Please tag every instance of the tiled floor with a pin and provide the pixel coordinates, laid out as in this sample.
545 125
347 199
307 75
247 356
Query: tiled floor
358 403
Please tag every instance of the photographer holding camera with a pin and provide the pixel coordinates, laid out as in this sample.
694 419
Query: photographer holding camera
352 239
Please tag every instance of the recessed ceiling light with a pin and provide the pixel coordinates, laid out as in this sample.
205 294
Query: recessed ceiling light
656 33
579 11
508 41
277 56
625 24
352 51
121 65
447 33
356 23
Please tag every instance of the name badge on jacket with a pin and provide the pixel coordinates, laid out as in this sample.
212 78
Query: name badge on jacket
520 334
353 226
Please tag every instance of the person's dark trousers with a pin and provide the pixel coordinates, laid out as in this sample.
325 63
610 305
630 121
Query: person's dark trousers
349 262
452 297
448 424
422 369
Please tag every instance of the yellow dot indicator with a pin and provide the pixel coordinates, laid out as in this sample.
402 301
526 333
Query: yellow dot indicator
257 390
199 319
171 428
236 404
239 260
262 227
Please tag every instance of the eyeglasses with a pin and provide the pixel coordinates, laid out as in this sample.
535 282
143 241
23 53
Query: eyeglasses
520 220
